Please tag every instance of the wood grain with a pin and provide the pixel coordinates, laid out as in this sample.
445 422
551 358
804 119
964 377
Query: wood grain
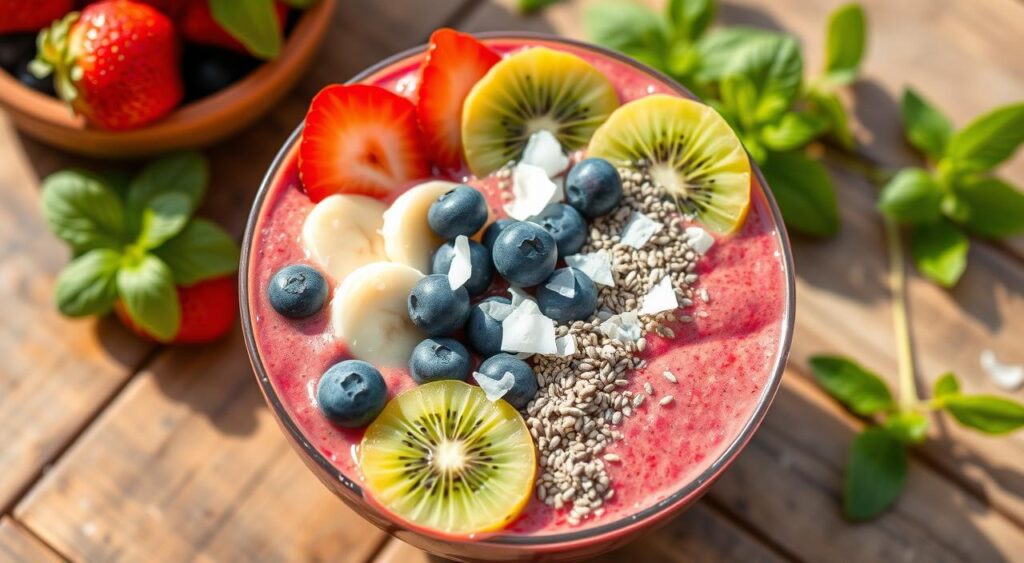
19 546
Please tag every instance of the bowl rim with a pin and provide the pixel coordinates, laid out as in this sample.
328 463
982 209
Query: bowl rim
657 511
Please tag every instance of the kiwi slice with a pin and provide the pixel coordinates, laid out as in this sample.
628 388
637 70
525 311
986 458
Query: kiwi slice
687 149
444 457
530 91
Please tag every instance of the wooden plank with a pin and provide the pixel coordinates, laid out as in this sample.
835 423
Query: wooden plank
19 546
397 551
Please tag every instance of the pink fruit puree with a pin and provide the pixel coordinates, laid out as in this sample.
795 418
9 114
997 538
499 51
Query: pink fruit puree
723 360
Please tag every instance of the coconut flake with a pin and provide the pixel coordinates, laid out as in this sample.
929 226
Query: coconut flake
566 345
496 310
532 191
597 265
1007 376
518 296
526 329
495 389
699 239
563 283
624 328
639 230
661 297
461 269
544 150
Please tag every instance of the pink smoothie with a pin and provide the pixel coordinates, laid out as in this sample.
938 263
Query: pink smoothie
723 360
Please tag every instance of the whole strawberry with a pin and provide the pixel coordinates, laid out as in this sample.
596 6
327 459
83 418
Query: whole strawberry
25 15
116 63
207 308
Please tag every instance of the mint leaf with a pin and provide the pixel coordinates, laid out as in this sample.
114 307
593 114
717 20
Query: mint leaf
989 207
528 6
147 290
82 210
845 42
804 192
185 173
691 18
988 140
793 131
202 251
88 285
164 217
860 390
875 472
252 22
926 128
775 67
629 28
302 4
907 427
940 251
720 48
946 385
987 413
829 106
739 101
912 196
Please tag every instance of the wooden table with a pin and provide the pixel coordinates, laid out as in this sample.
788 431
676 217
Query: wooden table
115 449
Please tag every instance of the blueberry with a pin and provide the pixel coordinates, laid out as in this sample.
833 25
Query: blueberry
351 393
493 230
16 50
297 291
460 211
484 331
525 386
435 308
593 187
435 359
564 309
525 254
481 267
208 70
566 225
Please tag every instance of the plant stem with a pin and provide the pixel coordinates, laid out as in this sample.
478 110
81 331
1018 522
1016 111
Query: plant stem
908 398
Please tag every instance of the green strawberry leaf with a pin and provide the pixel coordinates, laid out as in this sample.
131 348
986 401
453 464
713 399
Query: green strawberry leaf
252 22
912 196
164 217
186 173
202 251
987 413
940 251
875 472
829 106
632 29
146 287
860 390
988 207
926 128
691 18
804 192
844 46
88 285
908 427
83 211
793 131
988 140
946 385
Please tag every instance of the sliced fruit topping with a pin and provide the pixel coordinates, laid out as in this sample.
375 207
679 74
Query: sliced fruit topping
534 90
408 238
360 139
297 291
688 150
444 457
453 64
369 311
351 393
342 233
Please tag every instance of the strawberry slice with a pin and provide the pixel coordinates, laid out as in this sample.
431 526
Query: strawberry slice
454 63
360 139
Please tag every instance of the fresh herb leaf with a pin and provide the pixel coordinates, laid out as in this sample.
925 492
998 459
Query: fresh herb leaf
793 131
691 18
875 473
860 390
988 140
185 172
940 251
804 192
989 207
829 106
252 22
88 285
987 413
844 46
146 287
912 196
300 4
629 28
164 217
529 6
721 47
82 210
926 128
776 69
946 385
739 101
908 427
202 251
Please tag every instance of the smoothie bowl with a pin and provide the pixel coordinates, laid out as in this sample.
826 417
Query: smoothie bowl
516 297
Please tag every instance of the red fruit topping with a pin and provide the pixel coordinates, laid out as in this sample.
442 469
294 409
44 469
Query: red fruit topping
197 25
207 311
453 64
31 15
360 139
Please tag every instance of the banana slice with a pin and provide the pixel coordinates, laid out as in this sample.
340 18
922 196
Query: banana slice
408 238
369 311
342 233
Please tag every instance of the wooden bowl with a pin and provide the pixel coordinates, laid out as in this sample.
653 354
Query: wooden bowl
196 124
